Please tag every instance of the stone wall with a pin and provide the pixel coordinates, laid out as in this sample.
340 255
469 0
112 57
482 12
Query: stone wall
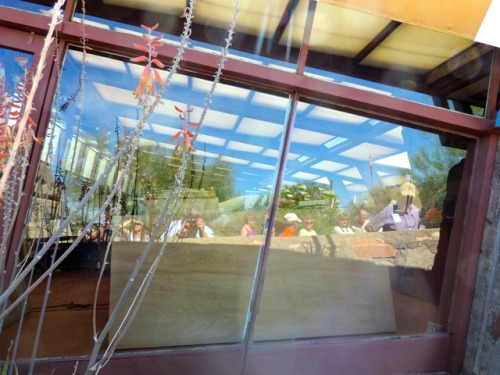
483 340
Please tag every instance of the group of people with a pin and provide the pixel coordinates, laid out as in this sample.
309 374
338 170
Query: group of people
292 223
399 214
291 226
343 226
192 226
361 223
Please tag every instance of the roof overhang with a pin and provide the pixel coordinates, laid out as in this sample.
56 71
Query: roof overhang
474 20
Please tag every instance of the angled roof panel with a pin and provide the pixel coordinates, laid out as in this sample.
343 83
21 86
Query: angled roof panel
458 17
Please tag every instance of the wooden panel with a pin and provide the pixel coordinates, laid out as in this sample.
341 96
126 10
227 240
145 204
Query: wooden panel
199 294
201 291
221 361
307 295
381 357
373 357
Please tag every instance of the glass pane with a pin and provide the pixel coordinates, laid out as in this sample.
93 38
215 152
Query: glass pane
34 6
15 70
360 220
201 290
12 67
374 53
267 32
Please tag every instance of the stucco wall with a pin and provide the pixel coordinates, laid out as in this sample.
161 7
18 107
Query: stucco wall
483 340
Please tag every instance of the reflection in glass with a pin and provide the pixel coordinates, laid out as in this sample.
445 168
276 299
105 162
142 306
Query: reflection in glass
232 166
378 196
202 288
15 68
393 58
30 5
267 32
11 67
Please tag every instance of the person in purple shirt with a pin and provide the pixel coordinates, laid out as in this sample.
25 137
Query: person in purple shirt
397 216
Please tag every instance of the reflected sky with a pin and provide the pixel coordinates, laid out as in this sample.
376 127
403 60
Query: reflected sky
242 128
27 6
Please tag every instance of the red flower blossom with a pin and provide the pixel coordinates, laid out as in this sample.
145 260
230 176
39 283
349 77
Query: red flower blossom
149 75
186 134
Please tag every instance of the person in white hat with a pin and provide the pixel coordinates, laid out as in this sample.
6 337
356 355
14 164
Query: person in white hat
292 225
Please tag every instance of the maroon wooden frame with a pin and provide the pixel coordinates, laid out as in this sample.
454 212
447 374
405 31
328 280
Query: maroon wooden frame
373 355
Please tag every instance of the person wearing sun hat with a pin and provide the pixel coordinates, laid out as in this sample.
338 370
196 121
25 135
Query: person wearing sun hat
133 230
400 214
292 224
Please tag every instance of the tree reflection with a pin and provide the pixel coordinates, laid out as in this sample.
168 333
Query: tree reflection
430 166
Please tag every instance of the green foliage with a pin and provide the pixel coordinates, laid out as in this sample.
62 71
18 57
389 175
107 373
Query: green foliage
382 195
219 175
430 171
156 174
477 111
305 194
312 199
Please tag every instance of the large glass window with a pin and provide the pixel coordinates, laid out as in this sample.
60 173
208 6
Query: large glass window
213 226
363 207
361 229
15 84
329 273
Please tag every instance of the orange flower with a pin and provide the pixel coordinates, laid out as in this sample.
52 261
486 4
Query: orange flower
149 75
186 134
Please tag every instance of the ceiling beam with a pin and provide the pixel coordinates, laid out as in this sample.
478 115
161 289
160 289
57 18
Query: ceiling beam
375 42
284 21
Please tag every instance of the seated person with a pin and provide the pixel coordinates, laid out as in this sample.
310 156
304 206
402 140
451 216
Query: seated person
247 229
342 226
361 222
398 215
192 226
308 230
292 224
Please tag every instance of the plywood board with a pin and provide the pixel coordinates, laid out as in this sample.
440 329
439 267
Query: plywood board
310 296
201 292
